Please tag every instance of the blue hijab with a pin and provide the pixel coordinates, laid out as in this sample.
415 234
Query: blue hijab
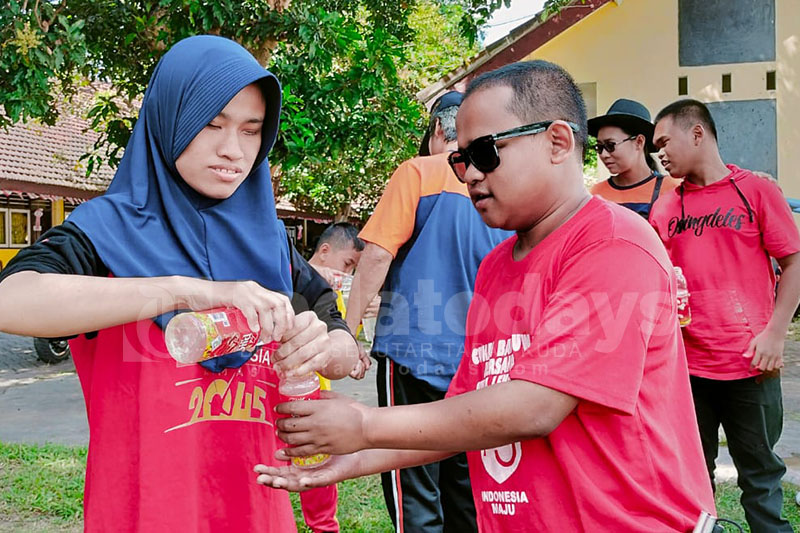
151 223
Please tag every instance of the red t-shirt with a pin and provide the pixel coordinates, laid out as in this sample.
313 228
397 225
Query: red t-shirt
726 260
590 312
172 447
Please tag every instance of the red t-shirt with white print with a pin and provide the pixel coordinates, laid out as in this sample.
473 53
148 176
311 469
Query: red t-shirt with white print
725 257
590 312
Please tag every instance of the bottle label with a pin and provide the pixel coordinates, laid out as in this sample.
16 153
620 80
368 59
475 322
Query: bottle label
313 395
337 280
226 332
308 461
221 318
684 313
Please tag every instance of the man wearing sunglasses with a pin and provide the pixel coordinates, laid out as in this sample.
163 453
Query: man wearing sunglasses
572 340
424 245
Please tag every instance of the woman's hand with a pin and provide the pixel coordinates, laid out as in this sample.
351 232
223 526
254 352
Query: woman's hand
266 311
305 347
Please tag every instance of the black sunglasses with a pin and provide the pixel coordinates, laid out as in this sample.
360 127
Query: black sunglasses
610 146
483 154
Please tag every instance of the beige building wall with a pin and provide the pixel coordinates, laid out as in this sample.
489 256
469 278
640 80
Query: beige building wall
629 49
787 13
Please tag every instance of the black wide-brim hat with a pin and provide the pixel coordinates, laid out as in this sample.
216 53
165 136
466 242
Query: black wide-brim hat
448 99
629 115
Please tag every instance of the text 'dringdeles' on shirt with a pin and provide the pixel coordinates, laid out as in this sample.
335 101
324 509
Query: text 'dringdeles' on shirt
723 236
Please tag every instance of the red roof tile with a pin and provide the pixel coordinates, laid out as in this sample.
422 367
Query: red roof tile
44 156
49 155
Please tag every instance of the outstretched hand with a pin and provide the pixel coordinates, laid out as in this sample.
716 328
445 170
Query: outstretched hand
293 479
336 424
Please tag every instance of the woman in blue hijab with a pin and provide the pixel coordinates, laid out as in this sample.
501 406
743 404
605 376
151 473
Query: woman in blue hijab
188 222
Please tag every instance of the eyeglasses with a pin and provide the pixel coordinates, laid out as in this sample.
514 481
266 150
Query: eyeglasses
483 153
610 146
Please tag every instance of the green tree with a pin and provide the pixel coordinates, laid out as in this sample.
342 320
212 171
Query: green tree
439 46
554 7
358 119
349 70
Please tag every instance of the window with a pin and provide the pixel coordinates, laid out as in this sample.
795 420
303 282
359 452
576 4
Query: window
726 83
750 36
737 148
20 228
771 82
683 86
3 227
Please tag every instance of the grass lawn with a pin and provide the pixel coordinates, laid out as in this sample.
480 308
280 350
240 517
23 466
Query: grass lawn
41 490
728 504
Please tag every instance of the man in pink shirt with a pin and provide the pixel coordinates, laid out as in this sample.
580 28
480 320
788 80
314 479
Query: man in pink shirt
572 341
721 226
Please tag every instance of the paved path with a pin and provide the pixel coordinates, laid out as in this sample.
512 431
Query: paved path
43 403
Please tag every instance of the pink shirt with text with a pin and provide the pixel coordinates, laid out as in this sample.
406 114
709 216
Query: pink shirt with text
725 257
590 312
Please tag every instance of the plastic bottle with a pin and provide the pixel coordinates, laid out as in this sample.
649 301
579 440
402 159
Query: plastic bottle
347 284
684 311
300 388
197 336
337 278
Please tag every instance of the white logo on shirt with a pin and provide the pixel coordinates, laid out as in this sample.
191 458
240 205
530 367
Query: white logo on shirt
501 462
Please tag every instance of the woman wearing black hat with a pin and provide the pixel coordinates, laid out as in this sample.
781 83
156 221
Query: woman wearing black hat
624 144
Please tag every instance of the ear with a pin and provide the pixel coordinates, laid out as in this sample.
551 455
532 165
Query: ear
562 141
698 133
439 130
324 248
640 141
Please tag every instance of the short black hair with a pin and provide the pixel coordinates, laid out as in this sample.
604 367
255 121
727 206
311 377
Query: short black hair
341 235
687 113
542 91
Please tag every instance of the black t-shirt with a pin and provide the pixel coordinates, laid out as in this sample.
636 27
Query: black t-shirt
65 249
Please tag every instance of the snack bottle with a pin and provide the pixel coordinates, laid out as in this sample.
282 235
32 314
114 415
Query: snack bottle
684 312
337 279
347 284
300 388
197 336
